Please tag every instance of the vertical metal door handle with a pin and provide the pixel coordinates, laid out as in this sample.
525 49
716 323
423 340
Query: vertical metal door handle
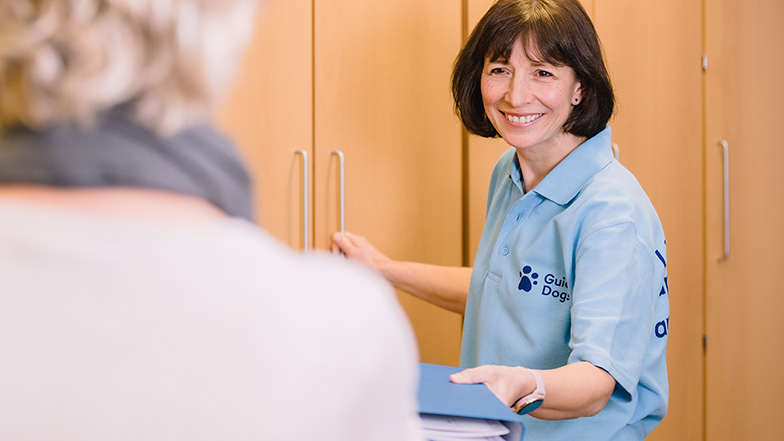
306 200
342 160
726 151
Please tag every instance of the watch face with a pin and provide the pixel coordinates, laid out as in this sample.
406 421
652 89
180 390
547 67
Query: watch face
530 406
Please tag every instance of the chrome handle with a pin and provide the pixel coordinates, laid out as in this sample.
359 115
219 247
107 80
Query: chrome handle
306 200
342 161
726 150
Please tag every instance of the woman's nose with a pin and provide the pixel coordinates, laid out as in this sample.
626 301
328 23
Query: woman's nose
519 91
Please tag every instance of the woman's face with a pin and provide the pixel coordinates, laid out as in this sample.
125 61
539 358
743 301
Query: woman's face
529 101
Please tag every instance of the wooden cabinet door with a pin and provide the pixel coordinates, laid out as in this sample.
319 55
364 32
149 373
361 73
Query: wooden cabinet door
269 114
745 334
382 99
653 52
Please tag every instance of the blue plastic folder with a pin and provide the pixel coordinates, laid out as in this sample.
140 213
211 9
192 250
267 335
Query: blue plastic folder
439 396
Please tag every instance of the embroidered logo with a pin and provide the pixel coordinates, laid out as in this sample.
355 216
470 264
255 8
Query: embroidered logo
527 279
552 286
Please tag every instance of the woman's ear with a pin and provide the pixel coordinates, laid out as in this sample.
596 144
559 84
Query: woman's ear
577 96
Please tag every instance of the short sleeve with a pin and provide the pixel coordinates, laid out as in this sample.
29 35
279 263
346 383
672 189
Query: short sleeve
614 299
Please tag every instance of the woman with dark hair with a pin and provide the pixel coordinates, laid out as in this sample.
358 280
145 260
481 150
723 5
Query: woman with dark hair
567 305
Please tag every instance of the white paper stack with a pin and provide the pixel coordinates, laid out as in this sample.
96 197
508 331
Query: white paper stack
454 428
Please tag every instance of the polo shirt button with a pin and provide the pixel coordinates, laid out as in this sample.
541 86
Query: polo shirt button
505 251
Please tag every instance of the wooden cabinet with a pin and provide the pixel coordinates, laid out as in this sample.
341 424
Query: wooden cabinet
654 52
673 124
382 98
369 80
743 108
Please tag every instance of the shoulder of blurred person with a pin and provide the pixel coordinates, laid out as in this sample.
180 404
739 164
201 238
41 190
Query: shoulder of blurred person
214 331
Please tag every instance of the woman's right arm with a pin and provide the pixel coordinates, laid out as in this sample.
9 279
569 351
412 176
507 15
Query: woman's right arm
444 286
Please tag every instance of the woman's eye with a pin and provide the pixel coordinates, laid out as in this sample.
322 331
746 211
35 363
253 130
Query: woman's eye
497 70
544 73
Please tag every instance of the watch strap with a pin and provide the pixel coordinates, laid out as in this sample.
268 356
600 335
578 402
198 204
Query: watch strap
532 401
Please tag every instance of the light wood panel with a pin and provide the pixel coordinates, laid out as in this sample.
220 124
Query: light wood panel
269 114
382 98
745 333
369 79
653 52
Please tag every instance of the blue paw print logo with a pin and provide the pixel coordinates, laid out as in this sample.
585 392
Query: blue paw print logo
527 279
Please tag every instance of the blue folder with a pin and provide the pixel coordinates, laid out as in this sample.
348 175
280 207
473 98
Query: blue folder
439 396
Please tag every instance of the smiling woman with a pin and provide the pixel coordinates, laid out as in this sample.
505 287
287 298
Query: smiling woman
549 30
563 301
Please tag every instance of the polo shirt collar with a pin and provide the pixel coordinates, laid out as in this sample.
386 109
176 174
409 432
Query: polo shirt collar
564 182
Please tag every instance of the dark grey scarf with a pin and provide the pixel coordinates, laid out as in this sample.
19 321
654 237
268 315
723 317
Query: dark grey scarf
118 152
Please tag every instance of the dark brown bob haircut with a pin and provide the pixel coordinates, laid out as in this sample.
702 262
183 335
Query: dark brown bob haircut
558 32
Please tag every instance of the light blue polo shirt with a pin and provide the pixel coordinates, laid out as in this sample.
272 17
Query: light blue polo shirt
575 270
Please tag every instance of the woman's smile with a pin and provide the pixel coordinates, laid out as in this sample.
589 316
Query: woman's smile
522 119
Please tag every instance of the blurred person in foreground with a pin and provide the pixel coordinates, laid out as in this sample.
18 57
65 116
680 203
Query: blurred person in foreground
139 301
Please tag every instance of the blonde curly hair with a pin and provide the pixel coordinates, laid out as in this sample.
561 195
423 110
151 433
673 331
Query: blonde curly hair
67 60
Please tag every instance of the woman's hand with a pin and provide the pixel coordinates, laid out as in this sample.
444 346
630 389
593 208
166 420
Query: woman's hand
573 391
507 383
359 249
443 286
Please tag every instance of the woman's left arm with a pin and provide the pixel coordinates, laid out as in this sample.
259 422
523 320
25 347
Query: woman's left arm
572 391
